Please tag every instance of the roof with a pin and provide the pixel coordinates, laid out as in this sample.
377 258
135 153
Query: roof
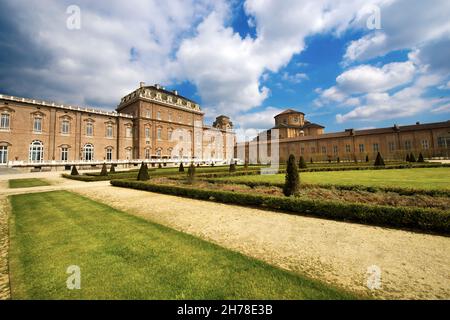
306 125
162 90
288 111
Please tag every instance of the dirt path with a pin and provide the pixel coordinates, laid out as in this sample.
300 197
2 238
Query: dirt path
413 266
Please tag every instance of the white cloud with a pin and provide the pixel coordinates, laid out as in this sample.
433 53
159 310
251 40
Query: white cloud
258 120
295 78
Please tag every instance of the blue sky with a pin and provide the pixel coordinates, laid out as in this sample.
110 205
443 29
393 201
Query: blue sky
345 64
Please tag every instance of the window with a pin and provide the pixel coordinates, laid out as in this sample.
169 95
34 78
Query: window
147 153
4 123
128 132
148 114
335 149
375 147
302 150
159 133
408 145
169 134
37 126
444 142
147 133
324 149
158 153
361 147
170 117
109 154
129 153
425 145
88 152
3 154
180 138
347 148
36 152
391 146
65 127
64 154
109 131
89 129
179 118
158 115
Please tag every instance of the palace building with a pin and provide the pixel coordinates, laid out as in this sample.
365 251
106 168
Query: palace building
302 138
150 124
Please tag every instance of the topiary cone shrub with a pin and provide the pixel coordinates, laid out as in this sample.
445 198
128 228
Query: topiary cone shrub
311 161
302 163
143 173
112 169
379 161
407 158
191 174
367 158
421 159
74 171
412 158
159 165
292 181
338 160
104 171
232 166
181 168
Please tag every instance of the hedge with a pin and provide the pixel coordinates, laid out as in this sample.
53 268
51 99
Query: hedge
351 187
428 220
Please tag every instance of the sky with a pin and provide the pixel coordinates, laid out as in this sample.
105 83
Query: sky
344 63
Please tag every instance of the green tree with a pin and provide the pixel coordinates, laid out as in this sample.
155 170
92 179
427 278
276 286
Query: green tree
191 174
112 169
181 168
302 163
232 166
143 172
379 161
338 160
311 161
421 159
104 171
292 181
367 158
74 171
407 158
412 158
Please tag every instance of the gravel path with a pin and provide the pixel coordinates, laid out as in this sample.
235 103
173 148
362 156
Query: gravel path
413 265
4 247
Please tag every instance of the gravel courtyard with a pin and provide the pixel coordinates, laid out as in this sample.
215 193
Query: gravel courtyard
413 265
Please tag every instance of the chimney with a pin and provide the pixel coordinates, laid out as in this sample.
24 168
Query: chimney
141 84
175 92
157 86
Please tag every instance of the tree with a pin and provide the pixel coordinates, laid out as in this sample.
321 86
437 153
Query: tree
412 158
379 161
338 160
367 158
112 169
302 163
191 174
74 171
159 165
407 158
421 159
104 171
292 181
232 166
143 172
311 161
181 168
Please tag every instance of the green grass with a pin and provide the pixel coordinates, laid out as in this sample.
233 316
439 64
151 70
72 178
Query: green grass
28 183
125 257
420 178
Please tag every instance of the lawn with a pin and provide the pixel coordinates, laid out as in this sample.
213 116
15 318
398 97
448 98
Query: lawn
420 178
27 183
125 257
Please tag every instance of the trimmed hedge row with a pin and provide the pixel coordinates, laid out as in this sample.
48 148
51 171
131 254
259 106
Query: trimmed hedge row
429 220
352 187
86 178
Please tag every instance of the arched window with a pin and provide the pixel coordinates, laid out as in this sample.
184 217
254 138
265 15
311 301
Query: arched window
65 126
36 151
158 153
88 152
147 153
109 131
89 129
